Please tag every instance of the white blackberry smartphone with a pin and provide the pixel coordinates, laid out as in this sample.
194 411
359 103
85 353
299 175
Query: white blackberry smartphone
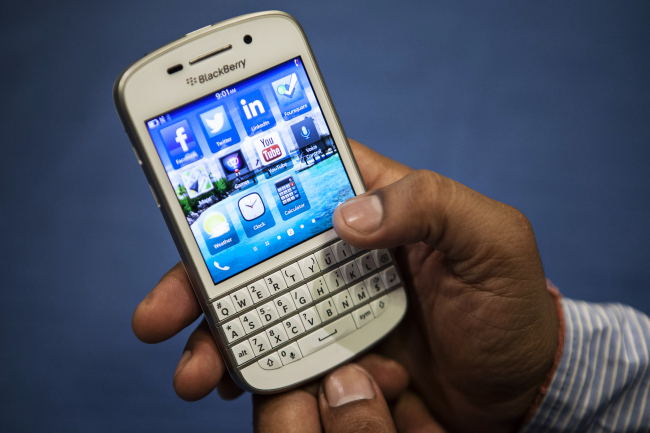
246 158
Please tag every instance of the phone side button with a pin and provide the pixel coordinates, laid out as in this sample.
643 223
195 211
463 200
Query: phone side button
271 362
327 335
155 197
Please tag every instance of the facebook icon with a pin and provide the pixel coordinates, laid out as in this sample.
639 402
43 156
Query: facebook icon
181 144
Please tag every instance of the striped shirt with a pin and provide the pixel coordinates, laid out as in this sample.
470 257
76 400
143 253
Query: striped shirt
602 381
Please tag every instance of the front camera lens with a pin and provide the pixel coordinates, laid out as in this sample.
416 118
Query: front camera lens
248 39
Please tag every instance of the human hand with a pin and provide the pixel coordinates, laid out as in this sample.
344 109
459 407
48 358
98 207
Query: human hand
482 331
352 398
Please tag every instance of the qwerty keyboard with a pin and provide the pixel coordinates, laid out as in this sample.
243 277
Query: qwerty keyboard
303 307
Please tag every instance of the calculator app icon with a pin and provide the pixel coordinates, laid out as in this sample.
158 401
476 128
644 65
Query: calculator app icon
287 190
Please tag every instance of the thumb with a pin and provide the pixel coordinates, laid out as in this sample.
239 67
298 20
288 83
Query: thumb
424 206
350 401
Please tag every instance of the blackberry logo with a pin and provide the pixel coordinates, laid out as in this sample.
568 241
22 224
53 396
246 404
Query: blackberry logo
216 73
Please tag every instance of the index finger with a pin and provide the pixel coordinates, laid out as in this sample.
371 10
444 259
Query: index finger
168 309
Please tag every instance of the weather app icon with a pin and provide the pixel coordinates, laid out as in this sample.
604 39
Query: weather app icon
290 95
216 225
218 128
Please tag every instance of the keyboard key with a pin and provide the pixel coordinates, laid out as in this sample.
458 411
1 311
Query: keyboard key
310 318
317 288
354 249
284 304
382 257
334 280
350 272
301 296
293 326
289 354
292 275
233 330
359 293
268 313
275 283
224 308
276 334
343 301
241 299
366 264
379 306
258 291
390 277
243 352
341 251
375 285
325 258
271 362
309 266
250 321
326 335
362 316
260 344
326 310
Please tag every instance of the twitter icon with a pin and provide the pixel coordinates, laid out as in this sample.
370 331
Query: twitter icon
215 121
219 128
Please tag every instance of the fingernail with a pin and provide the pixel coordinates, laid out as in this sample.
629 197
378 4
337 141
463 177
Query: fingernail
187 354
363 214
347 384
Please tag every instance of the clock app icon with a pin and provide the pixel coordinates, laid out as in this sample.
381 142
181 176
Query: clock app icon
251 206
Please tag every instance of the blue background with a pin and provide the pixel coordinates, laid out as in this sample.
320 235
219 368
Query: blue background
542 105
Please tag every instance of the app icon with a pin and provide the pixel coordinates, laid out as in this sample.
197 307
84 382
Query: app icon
290 197
287 190
196 180
254 219
216 225
181 144
290 95
217 230
270 148
255 112
216 121
234 165
251 206
304 132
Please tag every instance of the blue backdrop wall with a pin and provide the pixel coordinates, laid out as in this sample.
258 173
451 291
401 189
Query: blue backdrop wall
542 105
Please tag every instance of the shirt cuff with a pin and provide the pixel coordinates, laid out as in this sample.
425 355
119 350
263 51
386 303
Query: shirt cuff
602 380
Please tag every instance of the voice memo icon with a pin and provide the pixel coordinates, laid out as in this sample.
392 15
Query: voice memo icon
305 133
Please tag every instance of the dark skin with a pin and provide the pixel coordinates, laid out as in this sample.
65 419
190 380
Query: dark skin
481 332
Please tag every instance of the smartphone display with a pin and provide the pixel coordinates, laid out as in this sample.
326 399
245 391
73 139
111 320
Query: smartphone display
254 167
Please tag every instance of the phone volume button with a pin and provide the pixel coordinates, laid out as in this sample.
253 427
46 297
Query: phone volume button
155 196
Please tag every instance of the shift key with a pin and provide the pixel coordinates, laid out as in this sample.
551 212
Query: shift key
327 335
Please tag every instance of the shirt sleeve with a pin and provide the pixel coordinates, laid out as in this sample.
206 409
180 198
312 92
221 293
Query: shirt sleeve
601 383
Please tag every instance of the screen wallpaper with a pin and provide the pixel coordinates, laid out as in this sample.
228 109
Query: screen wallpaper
254 167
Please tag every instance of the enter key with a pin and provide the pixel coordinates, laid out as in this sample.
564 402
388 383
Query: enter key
326 335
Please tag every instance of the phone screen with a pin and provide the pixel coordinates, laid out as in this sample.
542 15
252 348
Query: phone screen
254 166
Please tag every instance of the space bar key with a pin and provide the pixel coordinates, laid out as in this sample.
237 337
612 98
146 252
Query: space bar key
326 335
